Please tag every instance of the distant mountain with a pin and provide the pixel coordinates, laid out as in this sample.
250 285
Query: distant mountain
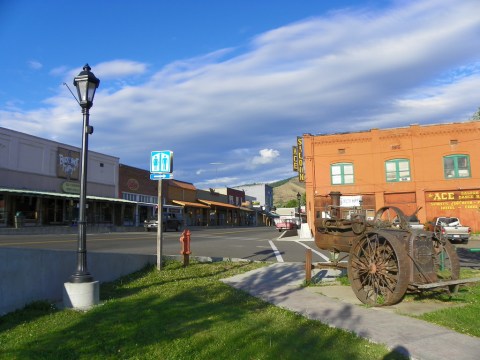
286 190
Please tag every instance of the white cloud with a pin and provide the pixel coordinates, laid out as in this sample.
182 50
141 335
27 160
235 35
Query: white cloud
267 156
59 71
35 65
346 71
119 68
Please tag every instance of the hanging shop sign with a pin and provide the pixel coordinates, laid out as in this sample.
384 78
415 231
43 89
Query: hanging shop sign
300 168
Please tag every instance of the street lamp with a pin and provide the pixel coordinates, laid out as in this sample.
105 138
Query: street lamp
86 84
299 197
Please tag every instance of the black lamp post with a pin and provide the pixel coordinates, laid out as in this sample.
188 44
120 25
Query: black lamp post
86 84
299 197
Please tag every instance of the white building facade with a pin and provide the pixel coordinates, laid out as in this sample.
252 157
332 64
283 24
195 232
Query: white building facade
39 182
261 195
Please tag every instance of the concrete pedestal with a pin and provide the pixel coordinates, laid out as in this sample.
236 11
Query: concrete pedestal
81 296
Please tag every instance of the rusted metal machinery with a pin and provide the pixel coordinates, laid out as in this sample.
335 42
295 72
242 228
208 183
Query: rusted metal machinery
386 258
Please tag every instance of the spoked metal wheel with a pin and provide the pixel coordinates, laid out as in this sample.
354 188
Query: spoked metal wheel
447 265
390 217
377 269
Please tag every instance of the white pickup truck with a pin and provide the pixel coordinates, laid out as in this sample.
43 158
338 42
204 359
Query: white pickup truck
451 228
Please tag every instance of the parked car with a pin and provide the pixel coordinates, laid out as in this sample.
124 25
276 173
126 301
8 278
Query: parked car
286 224
170 222
451 228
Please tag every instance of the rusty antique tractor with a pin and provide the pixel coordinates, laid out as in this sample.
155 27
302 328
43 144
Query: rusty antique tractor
386 257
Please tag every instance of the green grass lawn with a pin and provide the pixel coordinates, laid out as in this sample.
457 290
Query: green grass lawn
177 313
464 318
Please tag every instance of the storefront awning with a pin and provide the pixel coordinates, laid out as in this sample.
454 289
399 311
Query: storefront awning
191 204
61 195
219 204
273 215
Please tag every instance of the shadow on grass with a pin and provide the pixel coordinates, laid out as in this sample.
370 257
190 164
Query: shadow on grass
186 314
128 285
30 312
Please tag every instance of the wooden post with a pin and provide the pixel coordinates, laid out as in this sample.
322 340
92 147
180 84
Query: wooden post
308 266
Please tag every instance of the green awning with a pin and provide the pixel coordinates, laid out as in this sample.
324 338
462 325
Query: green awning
61 195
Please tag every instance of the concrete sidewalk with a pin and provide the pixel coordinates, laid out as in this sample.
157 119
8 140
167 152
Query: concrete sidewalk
280 284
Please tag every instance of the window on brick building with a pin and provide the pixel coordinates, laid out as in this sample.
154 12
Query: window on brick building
129 196
456 166
397 170
341 173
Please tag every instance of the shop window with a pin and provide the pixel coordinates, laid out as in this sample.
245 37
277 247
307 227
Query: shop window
129 196
456 166
3 211
397 170
341 173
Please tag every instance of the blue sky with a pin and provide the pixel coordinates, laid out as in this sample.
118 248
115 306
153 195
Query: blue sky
228 85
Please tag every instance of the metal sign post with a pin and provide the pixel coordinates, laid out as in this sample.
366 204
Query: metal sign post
160 226
161 167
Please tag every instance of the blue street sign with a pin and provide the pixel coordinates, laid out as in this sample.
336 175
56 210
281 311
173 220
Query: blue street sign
161 176
161 161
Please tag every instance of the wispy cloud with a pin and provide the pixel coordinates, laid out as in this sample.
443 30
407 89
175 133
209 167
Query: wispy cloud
120 68
35 65
414 62
59 71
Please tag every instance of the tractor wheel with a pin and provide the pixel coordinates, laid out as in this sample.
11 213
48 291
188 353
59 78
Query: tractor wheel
390 217
378 269
447 265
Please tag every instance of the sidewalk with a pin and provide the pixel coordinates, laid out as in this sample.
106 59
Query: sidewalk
280 284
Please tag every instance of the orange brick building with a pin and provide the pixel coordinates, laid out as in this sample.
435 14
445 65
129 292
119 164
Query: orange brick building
434 167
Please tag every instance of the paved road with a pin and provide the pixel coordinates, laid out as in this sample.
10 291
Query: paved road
255 243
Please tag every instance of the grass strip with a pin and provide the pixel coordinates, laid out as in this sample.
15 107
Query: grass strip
177 313
462 318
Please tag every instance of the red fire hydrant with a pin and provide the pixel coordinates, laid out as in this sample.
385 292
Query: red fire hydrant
185 250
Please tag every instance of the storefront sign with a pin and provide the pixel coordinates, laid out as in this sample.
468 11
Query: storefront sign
68 164
71 187
350 201
301 170
133 184
451 200
295 158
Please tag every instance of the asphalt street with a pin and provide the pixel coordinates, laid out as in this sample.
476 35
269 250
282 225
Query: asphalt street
251 243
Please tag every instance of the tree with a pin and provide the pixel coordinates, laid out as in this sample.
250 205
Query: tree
291 204
476 115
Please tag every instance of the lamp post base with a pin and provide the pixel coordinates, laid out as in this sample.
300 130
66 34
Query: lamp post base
81 296
81 278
